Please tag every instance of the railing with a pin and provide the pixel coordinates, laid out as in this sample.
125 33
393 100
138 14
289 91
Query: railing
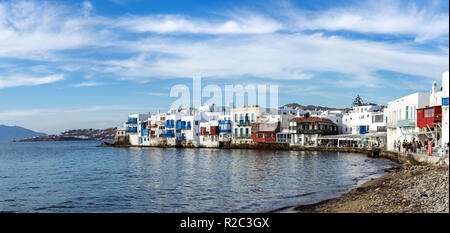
169 124
406 123
168 135
391 125
131 122
131 130
243 123
382 129
315 131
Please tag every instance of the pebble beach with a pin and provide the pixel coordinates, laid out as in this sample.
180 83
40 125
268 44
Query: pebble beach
408 189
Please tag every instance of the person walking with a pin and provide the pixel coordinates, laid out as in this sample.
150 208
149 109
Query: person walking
430 147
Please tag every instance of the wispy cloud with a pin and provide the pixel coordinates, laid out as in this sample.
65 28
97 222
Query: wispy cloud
277 56
12 81
379 17
162 24
34 112
243 43
155 93
88 84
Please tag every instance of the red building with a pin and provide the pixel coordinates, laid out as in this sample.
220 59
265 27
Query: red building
265 132
213 130
427 117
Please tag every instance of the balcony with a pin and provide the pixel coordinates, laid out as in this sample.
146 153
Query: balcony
169 124
131 121
224 122
224 131
169 135
316 131
183 125
131 130
406 123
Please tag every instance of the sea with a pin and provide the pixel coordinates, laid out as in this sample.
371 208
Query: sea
78 176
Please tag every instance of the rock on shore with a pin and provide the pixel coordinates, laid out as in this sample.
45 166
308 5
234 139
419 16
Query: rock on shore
416 189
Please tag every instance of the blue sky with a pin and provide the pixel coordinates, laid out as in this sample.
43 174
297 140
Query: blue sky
87 64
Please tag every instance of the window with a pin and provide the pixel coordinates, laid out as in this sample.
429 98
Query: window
242 132
429 112
236 131
407 113
246 131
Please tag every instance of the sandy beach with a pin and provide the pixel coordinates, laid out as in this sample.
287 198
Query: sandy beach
409 189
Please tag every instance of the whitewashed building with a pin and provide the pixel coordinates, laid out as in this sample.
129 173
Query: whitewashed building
209 134
402 119
368 118
445 112
242 120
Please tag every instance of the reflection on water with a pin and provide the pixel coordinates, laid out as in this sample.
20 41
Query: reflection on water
79 177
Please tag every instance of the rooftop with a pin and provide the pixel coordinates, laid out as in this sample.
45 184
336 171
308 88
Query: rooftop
311 119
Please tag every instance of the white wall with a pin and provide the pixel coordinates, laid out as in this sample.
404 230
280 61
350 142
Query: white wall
396 110
361 116
445 110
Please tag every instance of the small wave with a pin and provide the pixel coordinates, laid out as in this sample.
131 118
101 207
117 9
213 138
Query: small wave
300 195
54 207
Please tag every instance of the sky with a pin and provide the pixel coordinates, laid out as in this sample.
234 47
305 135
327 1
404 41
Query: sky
88 64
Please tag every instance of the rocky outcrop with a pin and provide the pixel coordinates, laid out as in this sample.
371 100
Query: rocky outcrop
77 135
121 141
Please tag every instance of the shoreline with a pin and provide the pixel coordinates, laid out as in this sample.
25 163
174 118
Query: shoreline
408 189
409 158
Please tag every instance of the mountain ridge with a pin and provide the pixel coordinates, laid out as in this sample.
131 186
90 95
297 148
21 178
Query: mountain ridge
10 133
312 107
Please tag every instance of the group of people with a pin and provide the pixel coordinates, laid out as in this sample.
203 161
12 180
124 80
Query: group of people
415 146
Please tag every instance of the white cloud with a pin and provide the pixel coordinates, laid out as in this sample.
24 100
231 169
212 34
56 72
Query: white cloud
88 84
46 111
378 17
21 113
37 30
13 81
87 7
250 24
276 56
243 43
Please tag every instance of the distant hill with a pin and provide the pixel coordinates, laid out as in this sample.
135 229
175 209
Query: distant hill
77 135
9 133
313 107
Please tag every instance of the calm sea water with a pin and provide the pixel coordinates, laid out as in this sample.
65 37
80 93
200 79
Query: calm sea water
80 177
